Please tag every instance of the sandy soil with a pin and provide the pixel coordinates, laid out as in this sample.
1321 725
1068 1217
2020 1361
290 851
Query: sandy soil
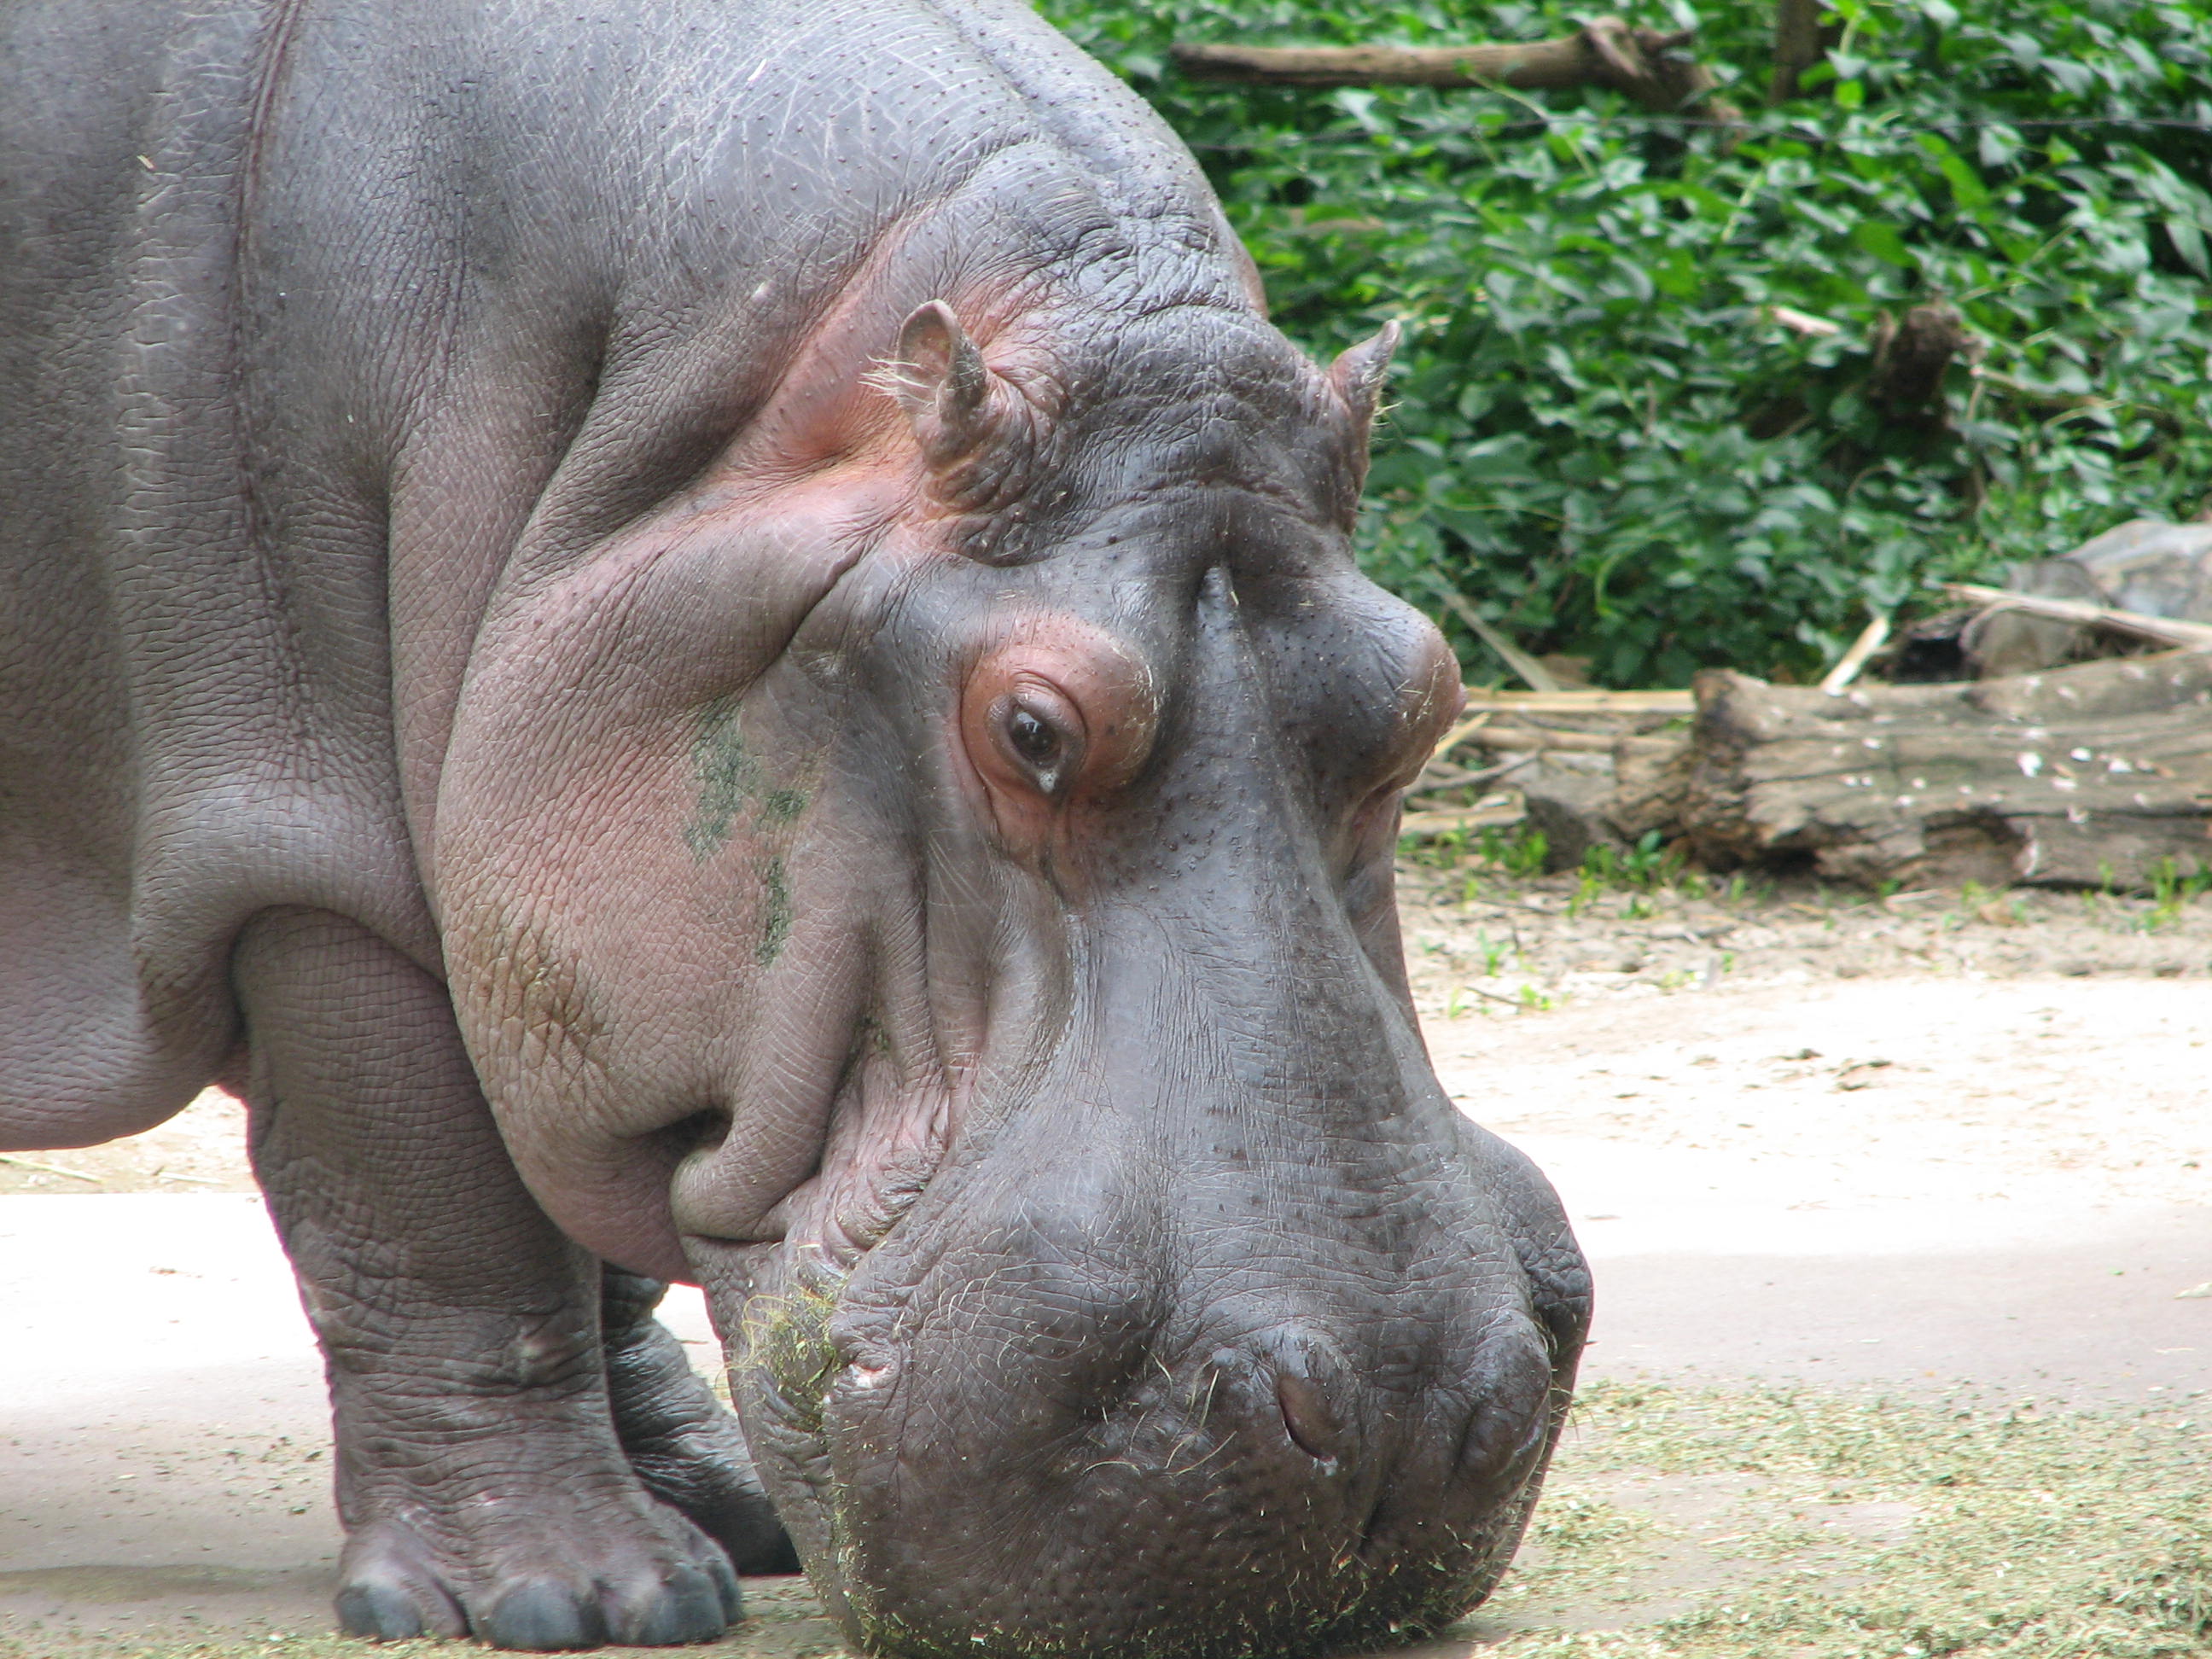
2041 1050
201 1150
1470 929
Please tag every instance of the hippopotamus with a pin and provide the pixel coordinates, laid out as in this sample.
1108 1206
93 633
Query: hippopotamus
712 640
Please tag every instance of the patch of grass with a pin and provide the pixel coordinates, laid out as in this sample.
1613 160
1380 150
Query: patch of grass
1516 851
1494 953
1643 871
2013 1532
786 1338
2170 890
1588 1528
1650 864
1440 850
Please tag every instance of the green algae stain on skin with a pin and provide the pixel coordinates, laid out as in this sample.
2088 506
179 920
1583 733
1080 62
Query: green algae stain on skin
732 784
726 774
729 778
775 923
782 805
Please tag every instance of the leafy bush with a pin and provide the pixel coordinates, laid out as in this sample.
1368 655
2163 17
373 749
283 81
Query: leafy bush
1602 439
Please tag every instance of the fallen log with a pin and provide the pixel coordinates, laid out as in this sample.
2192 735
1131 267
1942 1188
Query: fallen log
2092 775
1604 52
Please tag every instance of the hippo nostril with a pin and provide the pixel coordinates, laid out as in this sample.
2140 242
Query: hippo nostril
1505 1437
1308 1418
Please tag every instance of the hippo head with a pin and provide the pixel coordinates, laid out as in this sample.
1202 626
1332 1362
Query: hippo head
930 881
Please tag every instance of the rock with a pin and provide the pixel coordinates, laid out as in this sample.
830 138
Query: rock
1997 643
2146 565
1572 805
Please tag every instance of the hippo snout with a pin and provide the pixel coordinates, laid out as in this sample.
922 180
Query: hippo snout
1059 1413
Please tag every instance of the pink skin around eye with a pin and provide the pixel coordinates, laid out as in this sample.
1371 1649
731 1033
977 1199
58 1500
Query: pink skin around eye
1433 702
1090 693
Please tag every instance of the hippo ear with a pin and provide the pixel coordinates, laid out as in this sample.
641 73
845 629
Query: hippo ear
1357 376
943 384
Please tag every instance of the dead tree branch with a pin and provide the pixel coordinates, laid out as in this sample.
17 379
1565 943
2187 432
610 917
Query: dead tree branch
1800 43
1606 52
1910 359
2164 630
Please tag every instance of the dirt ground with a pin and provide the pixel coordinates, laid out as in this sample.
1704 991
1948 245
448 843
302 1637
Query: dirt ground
2040 1048
1471 927
1897 1209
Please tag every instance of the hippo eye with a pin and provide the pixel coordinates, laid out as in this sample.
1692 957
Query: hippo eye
1033 740
1030 742
1038 742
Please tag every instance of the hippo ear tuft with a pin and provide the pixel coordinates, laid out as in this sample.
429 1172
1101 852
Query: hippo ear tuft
942 383
1359 373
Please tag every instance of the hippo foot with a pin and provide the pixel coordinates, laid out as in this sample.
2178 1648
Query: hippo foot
638 1591
685 1446
513 1515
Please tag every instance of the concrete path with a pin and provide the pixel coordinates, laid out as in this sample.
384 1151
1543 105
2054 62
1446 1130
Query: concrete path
1912 1184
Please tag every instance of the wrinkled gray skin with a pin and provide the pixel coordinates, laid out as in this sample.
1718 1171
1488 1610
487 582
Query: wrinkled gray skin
719 630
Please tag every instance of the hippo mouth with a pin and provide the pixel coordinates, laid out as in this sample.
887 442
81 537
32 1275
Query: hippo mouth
994 1433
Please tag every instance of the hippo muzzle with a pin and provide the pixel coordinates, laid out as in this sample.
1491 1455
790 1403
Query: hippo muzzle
1200 1323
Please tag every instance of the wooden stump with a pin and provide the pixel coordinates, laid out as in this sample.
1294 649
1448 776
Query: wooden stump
2082 776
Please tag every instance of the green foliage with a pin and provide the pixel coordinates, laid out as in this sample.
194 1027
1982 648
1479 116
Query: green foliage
1639 871
1645 867
1601 438
1517 851
2170 890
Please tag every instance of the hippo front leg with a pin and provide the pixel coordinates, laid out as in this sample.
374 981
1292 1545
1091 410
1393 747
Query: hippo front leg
685 1446
480 1478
